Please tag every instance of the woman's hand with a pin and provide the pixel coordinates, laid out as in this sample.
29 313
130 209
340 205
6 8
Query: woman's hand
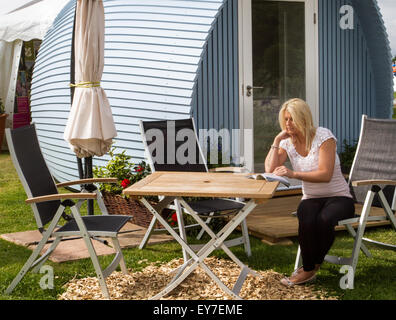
276 156
324 173
281 136
284 172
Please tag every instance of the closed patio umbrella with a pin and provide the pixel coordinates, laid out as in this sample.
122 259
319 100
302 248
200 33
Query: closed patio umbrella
90 127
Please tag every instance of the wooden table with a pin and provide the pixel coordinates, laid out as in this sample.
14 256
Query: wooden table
176 185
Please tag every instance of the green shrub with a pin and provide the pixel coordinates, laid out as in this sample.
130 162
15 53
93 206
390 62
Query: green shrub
347 156
120 167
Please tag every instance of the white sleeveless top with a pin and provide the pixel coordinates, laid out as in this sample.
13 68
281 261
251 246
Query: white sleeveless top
337 185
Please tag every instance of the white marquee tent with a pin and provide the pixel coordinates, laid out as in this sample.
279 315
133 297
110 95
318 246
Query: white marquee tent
21 20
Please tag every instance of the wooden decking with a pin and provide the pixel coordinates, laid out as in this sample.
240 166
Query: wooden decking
274 223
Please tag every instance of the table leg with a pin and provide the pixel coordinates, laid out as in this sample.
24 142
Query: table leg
180 223
160 206
176 281
215 237
173 233
197 259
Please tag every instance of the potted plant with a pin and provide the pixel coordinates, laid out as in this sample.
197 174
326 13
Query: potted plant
347 156
120 166
3 117
127 173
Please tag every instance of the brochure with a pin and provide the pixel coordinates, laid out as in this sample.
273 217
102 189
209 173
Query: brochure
270 177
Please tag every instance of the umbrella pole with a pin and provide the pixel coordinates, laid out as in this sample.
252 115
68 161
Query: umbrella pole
87 173
80 168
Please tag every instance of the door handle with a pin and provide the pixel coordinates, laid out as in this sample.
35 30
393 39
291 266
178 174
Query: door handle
249 90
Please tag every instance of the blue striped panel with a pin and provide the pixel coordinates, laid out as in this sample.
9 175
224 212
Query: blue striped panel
380 56
352 78
346 87
217 102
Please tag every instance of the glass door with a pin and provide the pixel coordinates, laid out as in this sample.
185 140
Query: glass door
278 63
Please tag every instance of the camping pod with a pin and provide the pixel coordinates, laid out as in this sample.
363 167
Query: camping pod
228 64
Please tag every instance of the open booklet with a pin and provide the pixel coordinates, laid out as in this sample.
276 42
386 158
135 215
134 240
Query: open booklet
270 177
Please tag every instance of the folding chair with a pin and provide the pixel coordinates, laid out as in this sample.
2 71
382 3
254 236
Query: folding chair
372 180
163 156
49 207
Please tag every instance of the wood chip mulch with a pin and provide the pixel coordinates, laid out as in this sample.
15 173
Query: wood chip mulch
197 286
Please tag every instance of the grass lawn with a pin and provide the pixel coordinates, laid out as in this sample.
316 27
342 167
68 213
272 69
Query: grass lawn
375 278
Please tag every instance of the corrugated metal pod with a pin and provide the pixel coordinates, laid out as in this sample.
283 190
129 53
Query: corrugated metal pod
169 59
153 53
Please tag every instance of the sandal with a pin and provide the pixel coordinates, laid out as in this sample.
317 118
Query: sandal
298 270
288 283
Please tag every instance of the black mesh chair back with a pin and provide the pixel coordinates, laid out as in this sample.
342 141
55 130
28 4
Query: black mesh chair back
37 180
375 156
172 153
179 150
32 170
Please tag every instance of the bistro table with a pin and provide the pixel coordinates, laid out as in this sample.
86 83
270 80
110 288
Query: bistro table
170 186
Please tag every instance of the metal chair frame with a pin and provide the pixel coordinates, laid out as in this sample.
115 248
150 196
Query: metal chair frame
244 239
75 226
375 188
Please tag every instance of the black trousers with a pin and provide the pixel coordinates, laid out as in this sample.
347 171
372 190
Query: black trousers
317 219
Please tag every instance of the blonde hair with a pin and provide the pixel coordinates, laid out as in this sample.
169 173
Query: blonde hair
302 119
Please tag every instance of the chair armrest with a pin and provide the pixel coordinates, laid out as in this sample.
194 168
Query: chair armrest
371 182
86 181
61 196
229 169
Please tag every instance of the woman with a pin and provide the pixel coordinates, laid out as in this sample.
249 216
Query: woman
326 196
